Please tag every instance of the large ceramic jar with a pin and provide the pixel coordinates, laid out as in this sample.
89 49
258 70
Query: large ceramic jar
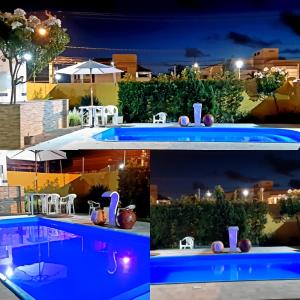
126 218
98 217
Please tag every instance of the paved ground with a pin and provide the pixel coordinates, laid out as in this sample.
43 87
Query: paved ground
83 139
247 290
6 294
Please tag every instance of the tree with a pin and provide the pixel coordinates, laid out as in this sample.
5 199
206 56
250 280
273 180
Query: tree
269 81
31 39
134 187
290 208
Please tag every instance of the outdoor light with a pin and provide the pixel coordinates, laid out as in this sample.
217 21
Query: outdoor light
57 76
9 272
112 63
196 65
121 166
42 31
27 56
208 193
245 193
239 64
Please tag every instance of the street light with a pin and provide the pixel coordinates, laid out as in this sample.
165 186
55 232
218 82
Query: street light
27 56
57 77
196 65
42 31
245 193
239 64
208 194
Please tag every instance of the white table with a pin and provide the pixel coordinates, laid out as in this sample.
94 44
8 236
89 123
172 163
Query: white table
31 198
93 115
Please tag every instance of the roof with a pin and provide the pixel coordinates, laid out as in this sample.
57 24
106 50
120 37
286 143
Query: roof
143 69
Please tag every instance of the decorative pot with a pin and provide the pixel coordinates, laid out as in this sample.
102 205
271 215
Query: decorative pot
98 217
245 245
217 247
184 121
208 120
126 218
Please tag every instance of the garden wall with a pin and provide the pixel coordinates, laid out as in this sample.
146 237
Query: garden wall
106 92
12 200
30 119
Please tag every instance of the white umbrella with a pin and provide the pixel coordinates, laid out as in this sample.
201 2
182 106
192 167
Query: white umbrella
36 156
89 67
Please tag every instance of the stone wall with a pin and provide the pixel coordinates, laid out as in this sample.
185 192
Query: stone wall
30 119
12 200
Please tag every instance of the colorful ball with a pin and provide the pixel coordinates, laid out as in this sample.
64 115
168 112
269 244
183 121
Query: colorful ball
184 121
208 120
245 245
217 247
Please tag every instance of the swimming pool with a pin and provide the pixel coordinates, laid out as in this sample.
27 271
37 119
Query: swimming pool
46 259
200 134
224 267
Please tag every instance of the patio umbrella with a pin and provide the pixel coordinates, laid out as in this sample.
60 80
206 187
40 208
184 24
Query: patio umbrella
91 68
37 156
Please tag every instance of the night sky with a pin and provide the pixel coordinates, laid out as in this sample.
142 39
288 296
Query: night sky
161 32
176 172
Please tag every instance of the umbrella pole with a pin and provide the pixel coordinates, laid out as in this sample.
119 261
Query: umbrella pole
92 100
36 171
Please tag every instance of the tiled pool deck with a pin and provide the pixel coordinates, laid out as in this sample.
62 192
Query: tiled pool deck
246 290
83 139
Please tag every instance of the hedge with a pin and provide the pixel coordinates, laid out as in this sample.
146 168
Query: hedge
206 222
139 101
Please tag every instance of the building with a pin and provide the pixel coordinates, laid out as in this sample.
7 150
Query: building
263 190
5 83
3 168
125 62
265 57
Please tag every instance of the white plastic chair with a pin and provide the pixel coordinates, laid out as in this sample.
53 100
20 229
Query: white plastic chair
45 199
70 203
113 207
161 117
110 110
53 200
186 243
92 206
99 114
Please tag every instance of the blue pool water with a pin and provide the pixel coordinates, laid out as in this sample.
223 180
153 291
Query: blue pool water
200 134
56 260
224 267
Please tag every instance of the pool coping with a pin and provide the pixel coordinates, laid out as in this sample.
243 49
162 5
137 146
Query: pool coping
134 293
83 139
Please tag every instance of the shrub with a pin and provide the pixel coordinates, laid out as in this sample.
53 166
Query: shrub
74 117
206 221
221 96
86 101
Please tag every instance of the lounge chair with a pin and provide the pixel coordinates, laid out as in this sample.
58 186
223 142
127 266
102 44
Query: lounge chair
186 243
161 117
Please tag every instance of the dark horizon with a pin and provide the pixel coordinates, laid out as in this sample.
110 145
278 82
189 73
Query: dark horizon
166 33
176 175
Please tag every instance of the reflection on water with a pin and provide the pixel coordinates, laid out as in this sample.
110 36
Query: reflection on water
43 260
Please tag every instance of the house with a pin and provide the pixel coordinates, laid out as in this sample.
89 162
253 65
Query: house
5 84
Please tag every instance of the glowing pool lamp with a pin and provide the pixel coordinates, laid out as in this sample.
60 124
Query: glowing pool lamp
125 260
9 272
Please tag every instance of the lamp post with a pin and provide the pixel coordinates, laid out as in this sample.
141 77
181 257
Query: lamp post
245 194
239 64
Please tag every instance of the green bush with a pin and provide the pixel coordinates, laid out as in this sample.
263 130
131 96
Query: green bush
222 96
74 117
86 101
206 221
